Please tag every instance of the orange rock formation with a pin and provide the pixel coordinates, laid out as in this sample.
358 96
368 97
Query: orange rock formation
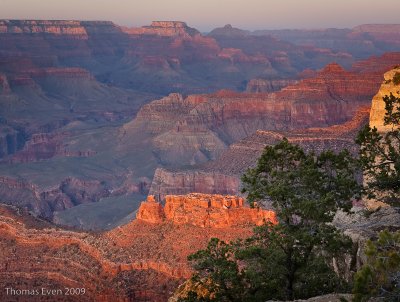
378 109
204 210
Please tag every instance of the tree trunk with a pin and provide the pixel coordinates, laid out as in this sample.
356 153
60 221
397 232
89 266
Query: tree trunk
290 275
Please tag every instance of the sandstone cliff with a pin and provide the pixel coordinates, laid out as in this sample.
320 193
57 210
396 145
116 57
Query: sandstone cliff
389 86
167 182
204 210
164 28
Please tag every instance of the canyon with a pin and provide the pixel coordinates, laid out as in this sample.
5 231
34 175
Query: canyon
95 113
96 117
106 148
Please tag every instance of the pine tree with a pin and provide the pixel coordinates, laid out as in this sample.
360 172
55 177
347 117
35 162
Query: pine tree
380 276
293 258
380 156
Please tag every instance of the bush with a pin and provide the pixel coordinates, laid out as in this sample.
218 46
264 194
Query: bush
380 276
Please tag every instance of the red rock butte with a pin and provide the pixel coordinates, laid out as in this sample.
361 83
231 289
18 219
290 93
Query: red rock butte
204 210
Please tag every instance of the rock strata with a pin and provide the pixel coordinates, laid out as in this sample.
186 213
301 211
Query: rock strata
71 28
204 210
165 28
262 85
223 174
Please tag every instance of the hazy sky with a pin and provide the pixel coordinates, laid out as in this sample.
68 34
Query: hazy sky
208 14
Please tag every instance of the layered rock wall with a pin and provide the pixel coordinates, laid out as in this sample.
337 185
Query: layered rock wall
261 85
184 182
164 28
70 28
222 176
204 210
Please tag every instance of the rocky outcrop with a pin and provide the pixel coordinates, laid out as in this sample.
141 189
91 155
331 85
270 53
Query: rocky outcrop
67 28
389 86
377 64
44 201
151 211
261 85
161 115
42 146
164 28
184 182
31 251
362 225
204 210
228 30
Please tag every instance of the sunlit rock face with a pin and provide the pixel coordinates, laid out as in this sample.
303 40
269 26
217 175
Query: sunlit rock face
204 210
389 86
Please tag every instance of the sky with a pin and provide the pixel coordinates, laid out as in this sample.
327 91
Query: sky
208 14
